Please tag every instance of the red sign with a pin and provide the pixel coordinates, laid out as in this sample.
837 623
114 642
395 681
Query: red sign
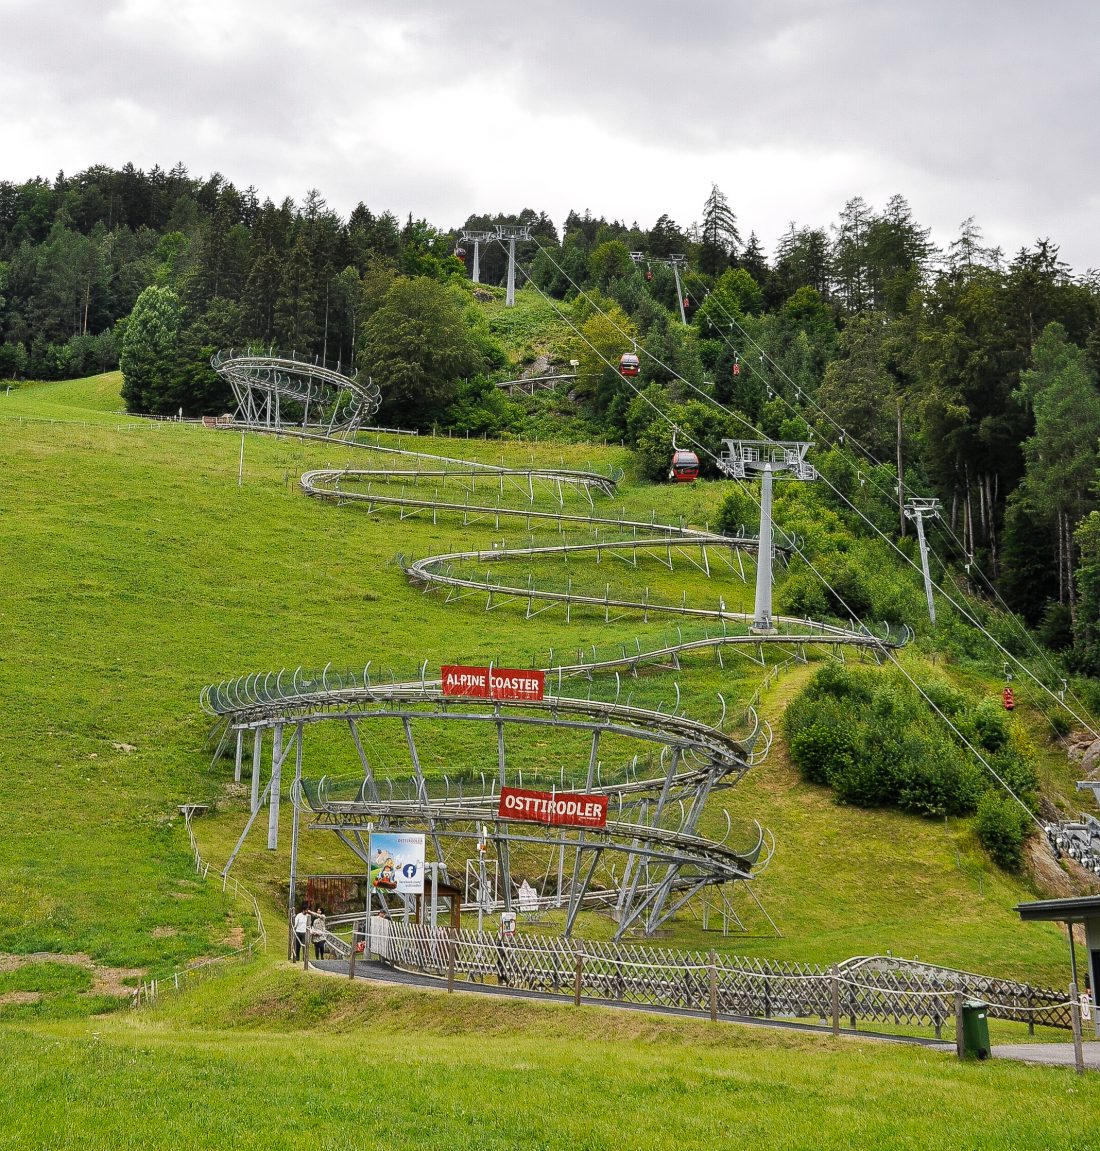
492 683
560 809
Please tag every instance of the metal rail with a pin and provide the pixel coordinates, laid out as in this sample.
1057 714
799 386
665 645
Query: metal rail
654 808
274 391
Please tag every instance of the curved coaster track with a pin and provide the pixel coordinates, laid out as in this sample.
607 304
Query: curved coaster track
657 767
278 392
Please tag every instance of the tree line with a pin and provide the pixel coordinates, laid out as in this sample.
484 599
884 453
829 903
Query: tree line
961 372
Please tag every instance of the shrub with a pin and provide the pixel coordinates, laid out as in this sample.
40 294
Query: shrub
802 595
1018 771
13 361
824 752
862 781
949 700
989 725
1056 627
739 511
871 738
936 779
848 593
1061 722
837 681
1002 829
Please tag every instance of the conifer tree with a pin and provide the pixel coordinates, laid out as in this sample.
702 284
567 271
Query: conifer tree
719 234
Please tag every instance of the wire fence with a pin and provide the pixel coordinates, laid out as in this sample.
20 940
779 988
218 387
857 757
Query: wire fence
148 991
859 992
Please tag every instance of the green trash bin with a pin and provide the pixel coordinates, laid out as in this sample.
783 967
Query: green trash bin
975 1029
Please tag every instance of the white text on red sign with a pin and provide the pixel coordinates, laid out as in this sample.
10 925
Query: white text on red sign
492 683
564 809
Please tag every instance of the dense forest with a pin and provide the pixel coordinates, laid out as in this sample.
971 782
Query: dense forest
963 373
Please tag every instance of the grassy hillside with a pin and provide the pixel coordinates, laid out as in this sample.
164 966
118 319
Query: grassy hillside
273 1059
138 570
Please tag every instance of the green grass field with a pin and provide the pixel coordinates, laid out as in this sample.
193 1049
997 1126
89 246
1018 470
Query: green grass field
274 1059
136 570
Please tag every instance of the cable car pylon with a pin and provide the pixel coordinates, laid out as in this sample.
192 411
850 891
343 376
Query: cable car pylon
477 239
512 233
916 508
676 261
768 457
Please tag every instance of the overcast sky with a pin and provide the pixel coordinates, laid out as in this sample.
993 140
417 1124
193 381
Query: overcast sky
984 108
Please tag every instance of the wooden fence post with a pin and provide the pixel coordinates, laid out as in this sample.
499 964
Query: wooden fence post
578 978
351 954
960 1039
452 949
834 990
712 973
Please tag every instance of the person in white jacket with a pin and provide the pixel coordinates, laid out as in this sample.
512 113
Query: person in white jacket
301 933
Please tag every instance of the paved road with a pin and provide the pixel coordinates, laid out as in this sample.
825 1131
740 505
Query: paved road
1056 1054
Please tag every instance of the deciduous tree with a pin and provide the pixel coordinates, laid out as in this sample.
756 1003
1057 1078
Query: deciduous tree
417 346
148 357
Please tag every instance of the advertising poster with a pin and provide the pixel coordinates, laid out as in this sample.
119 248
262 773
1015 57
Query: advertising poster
397 862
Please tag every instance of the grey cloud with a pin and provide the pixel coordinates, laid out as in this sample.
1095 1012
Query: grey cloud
979 108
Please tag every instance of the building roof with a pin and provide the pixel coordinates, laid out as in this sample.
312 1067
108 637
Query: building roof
1075 910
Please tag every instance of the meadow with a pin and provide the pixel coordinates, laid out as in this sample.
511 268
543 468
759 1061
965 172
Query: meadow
270 1059
136 570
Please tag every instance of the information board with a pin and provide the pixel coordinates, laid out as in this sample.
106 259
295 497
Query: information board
397 862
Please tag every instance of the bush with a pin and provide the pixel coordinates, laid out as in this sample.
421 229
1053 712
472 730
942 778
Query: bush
801 594
871 738
935 778
738 512
479 408
989 725
848 593
13 361
1018 771
862 782
949 700
1056 627
1003 827
836 681
824 753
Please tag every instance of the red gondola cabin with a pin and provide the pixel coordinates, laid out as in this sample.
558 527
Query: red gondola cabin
628 364
685 467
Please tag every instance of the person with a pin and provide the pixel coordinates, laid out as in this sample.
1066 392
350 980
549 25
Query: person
317 933
301 932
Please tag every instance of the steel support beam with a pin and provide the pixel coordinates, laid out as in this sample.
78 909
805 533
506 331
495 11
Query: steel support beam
296 802
257 760
762 613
